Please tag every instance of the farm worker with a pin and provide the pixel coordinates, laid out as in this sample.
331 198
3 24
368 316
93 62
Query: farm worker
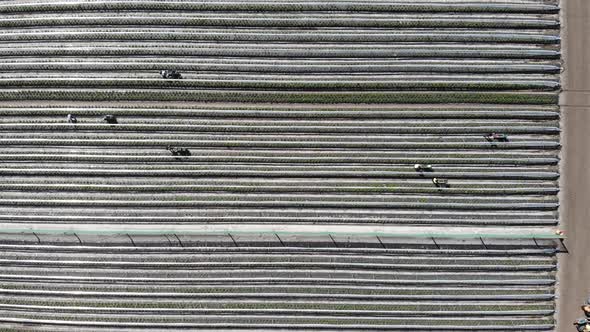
581 325
72 118
110 118
496 137
422 167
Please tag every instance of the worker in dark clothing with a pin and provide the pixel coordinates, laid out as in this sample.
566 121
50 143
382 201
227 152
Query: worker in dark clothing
582 325
109 118
422 167
170 74
72 118
440 182
176 151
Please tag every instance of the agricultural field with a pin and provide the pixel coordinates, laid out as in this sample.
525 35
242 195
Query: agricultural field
225 282
307 113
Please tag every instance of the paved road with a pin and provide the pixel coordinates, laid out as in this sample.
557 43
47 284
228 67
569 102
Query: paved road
574 272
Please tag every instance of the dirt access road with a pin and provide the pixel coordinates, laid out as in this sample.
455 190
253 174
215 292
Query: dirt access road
574 267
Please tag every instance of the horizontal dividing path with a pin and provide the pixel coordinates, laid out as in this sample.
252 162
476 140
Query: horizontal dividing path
257 282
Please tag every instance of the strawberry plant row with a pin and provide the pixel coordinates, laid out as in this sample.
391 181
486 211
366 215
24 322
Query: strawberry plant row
278 6
267 84
282 51
383 97
51 114
268 36
273 67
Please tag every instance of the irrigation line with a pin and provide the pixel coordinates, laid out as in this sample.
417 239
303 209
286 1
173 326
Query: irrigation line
470 235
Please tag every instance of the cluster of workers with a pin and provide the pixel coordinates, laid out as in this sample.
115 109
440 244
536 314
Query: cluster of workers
440 182
111 119
180 151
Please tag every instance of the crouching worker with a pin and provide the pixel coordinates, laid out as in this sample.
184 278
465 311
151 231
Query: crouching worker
72 118
582 325
176 151
170 74
109 119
